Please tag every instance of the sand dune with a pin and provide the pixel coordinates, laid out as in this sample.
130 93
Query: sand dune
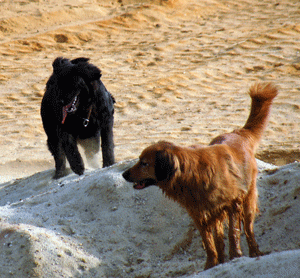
97 225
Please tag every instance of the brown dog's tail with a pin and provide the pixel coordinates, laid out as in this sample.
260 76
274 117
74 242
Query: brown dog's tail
262 96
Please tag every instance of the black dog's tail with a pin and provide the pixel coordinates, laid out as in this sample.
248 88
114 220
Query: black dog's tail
63 67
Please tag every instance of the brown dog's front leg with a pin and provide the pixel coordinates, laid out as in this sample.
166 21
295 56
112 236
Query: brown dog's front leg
219 240
209 244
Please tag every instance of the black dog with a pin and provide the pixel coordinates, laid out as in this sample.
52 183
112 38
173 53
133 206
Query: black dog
76 107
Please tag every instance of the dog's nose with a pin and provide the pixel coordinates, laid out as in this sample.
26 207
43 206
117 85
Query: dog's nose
126 175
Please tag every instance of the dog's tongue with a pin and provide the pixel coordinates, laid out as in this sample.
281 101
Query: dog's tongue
65 112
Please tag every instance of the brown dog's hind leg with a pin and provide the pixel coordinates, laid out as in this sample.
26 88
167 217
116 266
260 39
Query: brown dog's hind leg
235 231
252 244
250 208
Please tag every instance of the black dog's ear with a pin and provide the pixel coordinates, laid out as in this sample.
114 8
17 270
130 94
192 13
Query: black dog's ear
80 60
87 71
166 164
90 72
58 62
62 66
80 66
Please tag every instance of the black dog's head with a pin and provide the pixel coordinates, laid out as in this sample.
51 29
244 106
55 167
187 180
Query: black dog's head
63 67
74 80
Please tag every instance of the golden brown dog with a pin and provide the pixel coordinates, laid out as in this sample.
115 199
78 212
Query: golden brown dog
213 183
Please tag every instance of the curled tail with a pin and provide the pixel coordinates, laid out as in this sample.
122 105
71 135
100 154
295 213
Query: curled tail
262 96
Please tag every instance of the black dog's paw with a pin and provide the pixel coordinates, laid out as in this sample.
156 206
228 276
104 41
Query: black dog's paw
78 169
61 173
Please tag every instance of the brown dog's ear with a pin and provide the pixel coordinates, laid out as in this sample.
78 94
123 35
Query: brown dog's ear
166 164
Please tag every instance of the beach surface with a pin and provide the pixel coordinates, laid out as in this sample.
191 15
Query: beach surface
179 70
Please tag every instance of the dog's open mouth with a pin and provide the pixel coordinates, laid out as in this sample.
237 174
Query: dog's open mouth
69 108
144 183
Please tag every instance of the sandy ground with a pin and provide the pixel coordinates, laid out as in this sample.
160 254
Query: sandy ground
97 225
180 71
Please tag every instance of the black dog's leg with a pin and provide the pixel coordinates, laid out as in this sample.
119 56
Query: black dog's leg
55 147
107 144
71 150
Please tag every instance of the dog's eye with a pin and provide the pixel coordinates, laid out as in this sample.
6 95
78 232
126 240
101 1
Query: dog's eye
144 164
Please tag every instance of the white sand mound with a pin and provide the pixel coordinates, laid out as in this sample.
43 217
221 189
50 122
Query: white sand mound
97 225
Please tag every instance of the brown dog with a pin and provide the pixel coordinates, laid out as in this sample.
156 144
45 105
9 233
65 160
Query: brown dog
213 183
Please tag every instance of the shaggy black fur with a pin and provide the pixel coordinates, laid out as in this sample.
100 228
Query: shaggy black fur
77 108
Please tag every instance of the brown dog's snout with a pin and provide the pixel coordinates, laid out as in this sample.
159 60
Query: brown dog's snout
126 176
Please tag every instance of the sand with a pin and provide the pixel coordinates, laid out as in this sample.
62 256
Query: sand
97 225
180 71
